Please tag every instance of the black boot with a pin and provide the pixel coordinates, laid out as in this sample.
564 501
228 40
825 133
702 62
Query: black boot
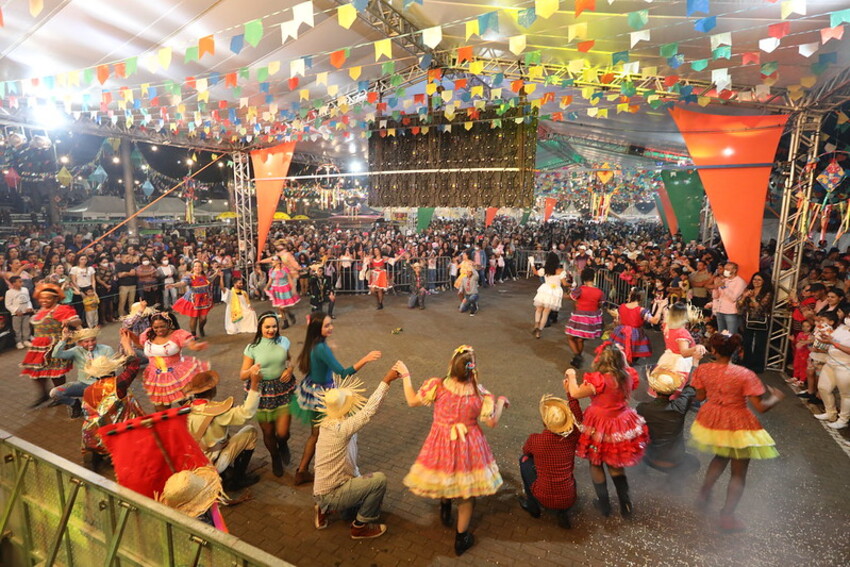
283 450
446 512
621 483
236 477
291 316
463 542
602 502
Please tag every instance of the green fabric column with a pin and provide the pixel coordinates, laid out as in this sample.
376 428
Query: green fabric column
423 218
687 196
525 214
659 207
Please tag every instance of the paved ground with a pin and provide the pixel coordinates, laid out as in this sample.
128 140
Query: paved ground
796 507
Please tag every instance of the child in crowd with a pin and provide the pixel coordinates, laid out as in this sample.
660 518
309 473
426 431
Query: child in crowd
417 291
659 303
90 304
321 290
18 303
491 271
802 348
825 322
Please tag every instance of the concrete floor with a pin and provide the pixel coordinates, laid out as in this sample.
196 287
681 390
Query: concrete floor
796 507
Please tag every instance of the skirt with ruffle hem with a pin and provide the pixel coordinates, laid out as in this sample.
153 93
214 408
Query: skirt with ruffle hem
733 444
283 295
549 296
617 441
275 398
38 363
585 324
189 309
166 387
306 402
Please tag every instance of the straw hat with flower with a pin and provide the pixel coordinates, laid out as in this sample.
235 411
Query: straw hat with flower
556 415
101 366
340 402
192 492
664 380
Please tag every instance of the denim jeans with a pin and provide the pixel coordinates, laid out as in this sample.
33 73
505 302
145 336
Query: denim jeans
68 393
416 300
728 322
528 472
470 303
363 492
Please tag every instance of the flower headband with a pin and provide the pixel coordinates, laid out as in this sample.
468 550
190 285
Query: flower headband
462 349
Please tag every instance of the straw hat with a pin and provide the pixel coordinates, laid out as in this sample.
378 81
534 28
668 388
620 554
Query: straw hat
192 492
664 380
201 382
100 366
556 415
339 402
85 334
47 287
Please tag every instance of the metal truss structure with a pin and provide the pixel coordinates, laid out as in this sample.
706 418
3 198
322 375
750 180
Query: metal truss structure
708 225
243 201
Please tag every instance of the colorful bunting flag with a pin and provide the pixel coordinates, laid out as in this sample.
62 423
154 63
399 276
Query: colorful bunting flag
346 14
383 47
545 8
516 44
705 25
694 6
253 32
638 19
432 36
236 43
526 17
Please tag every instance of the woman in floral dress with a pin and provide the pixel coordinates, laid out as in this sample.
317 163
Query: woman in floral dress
197 301
281 290
169 370
48 323
378 281
455 460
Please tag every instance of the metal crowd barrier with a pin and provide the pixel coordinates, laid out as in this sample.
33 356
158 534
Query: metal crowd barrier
399 275
57 513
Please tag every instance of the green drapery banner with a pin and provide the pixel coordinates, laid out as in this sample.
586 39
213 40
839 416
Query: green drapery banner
423 218
686 195
525 214
659 206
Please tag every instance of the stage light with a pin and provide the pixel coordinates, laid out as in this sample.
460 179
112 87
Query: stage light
352 147
221 164
154 148
50 117
64 160
728 152
190 162
356 165
116 160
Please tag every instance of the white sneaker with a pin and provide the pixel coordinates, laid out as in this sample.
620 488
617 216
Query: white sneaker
27 344
20 346
840 424
824 416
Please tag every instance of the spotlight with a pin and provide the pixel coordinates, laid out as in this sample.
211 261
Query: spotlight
64 160
190 161
116 160
355 165
154 148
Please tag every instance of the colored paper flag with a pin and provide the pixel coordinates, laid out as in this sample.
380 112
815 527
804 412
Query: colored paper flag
253 32
789 7
191 54
669 49
705 25
750 58
577 31
383 47
768 44
488 21
545 8
36 6
637 36
699 64
694 6
808 49
432 36
354 72
619 57
206 46
831 33
719 39
722 52
346 14
471 28
586 46
288 30
582 5
164 57
236 43
638 19
303 13
779 30
526 17
464 54
838 18
516 44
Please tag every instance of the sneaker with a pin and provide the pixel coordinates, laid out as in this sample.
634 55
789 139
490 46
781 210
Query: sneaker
825 416
840 424
75 410
19 346
27 344
472 314
320 520
367 531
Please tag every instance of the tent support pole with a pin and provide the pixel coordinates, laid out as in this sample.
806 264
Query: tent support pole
129 187
243 205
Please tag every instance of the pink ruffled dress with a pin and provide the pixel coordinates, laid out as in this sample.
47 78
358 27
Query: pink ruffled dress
169 370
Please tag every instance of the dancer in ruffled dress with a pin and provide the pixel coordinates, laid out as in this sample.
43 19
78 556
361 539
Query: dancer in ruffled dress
550 294
281 290
48 323
612 433
586 319
168 369
318 364
726 427
629 334
378 282
197 301
455 461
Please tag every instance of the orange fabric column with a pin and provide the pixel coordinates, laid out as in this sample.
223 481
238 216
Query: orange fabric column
548 207
269 162
669 213
489 215
736 194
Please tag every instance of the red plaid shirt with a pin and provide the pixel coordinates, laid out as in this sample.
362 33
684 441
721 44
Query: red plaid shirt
554 459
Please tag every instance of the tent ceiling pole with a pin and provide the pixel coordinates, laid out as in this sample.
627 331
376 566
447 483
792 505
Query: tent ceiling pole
790 240
242 192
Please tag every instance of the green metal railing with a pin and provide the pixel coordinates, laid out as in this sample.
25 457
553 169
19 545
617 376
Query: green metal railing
53 512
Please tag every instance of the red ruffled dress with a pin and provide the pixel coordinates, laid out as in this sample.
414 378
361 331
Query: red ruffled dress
47 325
378 274
612 432
197 301
629 333
724 425
169 371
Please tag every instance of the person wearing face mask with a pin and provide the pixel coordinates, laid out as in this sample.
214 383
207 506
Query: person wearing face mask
726 291
104 278
836 374
166 272
147 282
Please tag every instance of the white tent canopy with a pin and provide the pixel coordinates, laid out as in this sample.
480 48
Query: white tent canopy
98 207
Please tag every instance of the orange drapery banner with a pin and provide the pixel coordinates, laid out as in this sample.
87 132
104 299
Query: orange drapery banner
269 162
737 194
489 215
549 207
669 213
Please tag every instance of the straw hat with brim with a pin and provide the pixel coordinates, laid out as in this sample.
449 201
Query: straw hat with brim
556 415
85 334
339 402
201 382
47 288
192 492
101 366
664 380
